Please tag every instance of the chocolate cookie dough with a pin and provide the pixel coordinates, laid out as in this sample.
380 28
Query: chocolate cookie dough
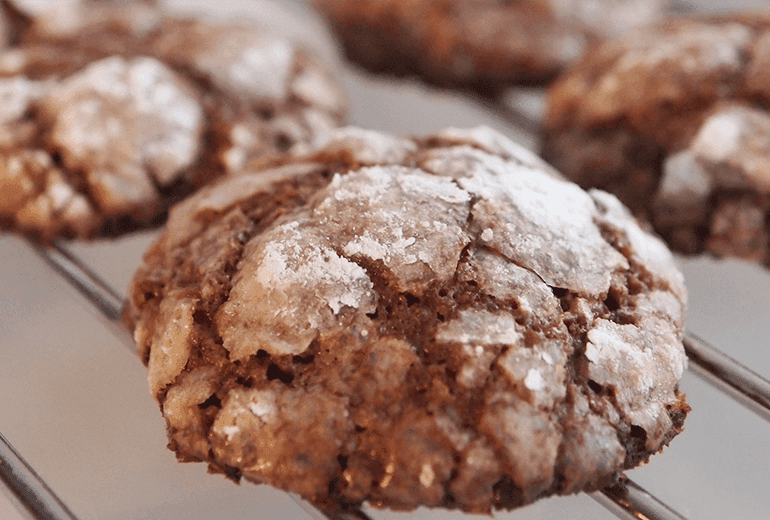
441 321
111 112
673 119
481 45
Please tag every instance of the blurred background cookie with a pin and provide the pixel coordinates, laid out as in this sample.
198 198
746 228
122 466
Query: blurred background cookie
673 119
480 45
113 111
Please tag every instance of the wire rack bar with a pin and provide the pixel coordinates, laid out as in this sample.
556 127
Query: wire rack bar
29 492
728 375
349 514
629 500
105 299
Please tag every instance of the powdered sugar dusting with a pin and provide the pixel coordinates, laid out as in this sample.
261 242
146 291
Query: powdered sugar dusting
733 145
533 217
380 211
261 70
368 147
642 364
127 116
536 379
263 406
494 142
317 89
480 328
241 59
497 276
170 357
290 284
545 225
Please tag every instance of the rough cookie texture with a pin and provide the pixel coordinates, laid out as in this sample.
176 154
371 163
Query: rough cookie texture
111 112
673 119
483 45
440 321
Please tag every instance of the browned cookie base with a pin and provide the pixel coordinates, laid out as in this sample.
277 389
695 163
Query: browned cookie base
440 322
673 119
111 118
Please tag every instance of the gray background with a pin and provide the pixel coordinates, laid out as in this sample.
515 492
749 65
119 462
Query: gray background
74 399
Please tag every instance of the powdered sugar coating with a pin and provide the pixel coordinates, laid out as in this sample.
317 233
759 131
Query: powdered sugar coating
733 145
237 57
126 118
314 419
507 281
546 226
640 369
491 141
609 17
411 222
366 146
390 318
650 250
16 95
273 307
174 344
480 329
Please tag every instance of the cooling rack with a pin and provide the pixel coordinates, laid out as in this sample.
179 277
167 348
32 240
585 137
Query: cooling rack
68 390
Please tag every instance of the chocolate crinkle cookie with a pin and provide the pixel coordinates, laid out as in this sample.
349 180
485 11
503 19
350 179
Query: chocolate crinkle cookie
481 45
113 111
674 120
441 322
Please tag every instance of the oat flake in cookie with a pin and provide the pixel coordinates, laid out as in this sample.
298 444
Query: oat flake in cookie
441 321
673 119
481 45
113 111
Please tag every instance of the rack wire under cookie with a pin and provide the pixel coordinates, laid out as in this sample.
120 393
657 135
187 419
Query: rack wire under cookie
78 410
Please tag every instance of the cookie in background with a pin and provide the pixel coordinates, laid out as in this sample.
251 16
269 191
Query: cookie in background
114 111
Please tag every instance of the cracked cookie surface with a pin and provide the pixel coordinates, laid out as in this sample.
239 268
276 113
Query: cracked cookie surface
673 119
113 112
441 321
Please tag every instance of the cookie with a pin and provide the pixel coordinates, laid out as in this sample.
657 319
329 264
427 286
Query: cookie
673 119
481 45
99 19
117 112
439 322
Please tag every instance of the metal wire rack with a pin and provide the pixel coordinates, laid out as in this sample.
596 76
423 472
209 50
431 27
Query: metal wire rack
35 499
